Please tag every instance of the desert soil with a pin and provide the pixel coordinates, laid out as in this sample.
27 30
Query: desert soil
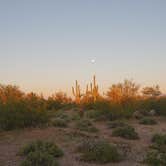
69 138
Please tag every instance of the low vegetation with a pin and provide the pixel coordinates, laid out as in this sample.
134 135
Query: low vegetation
117 123
156 155
126 132
59 122
99 151
147 121
85 125
19 115
40 153
81 116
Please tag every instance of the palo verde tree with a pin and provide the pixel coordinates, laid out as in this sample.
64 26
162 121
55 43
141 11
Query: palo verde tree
122 92
153 91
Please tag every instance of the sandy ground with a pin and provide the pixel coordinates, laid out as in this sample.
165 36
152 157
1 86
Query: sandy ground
68 138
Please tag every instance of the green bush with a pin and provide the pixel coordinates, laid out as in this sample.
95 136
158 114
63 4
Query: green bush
42 146
106 110
156 156
158 104
115 124
20 115
85 125
59 123
39 153
147 121
39 159
126 132
76 116
99 151
159 140
62 115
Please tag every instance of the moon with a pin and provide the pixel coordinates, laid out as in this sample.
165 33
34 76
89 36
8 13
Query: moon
93 61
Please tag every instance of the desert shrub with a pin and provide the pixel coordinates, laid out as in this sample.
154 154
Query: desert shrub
160 105
156 156
156 103
20 115
39 158
99 151
126 132
98 115
42 146
40 153
62 115
159 140
115 124
85 125
121 111
59 100
76 116
59 122
147 121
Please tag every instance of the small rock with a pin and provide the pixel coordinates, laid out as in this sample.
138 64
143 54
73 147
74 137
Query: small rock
137 114
152 113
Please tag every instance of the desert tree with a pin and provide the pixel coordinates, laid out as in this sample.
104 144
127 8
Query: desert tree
153 91
122 92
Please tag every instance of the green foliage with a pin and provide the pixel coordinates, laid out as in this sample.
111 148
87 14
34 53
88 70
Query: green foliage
158 104
147 121
151 91
159 140
42 146
123 92
156 156
40 153
126 132
115 124
59 122
76 116
20 115
98 115
104 110
99 151
39 159
62 115
59 100
85 125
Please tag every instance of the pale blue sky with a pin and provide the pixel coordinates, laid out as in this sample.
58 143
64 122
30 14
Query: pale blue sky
46 44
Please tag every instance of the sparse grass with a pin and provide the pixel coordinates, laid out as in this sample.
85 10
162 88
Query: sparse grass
20 116
61 115
115 124
98 115
59 122
39 153
147 121
159 139
156 156
85 125
126 132
39 159
76 116
99 151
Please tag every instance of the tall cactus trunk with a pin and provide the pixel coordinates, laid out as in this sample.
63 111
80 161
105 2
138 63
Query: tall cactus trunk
76 92
94 88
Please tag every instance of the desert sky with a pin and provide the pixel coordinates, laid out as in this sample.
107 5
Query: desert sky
45 45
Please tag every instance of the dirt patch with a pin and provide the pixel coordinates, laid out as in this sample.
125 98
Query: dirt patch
68 138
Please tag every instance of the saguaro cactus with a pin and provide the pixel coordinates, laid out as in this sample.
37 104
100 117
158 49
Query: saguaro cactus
77 92
94 89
